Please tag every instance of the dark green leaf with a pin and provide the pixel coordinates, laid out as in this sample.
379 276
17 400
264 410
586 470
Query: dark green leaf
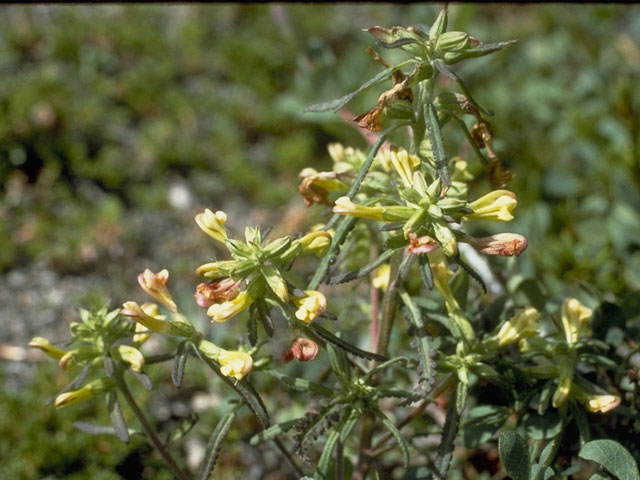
179 363
542 427
185 427
396 434
324 463
612 456
301 384
435 136
514 455
361 272
214 444
346 346
143 378
252 325
116 417
481 423
349 424
337 104
449 434
273 431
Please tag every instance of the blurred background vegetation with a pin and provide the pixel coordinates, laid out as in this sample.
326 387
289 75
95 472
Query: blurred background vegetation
119 123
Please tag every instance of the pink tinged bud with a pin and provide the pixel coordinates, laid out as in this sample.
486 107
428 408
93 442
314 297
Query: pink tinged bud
424 244
213 224
503 244
301 349
147 315
221 312
311 306
155 285
216 292
234 364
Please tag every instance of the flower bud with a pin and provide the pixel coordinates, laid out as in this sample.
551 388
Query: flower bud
317 242
216 292
215 270
141 334
213 224
574 317
525 323
311 306
496 205
44 345
130 355
92 389
566 368
603 403
503 244
155 285
301 349
147 315
315 186
405 165
344 206
221 312
452 41
234 364
423 244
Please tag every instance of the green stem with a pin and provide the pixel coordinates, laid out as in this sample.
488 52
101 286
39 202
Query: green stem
146 426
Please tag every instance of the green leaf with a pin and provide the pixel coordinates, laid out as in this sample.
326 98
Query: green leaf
179 363
361 272
542 427
301 384
337 104
396 434
514 455
481 423
325 459
449 434
422 344
435 136
440 25
116 417
349 424
612 456
273 431
344 345
214 444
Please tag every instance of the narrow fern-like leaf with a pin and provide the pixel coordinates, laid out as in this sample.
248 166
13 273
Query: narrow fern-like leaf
396 434
214 444
338 342
179 363
361 272
273 431
435 135
301 384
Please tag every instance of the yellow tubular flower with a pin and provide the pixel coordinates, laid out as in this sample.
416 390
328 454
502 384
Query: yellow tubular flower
574 317
155 285
221 312
496 205
381 278
213 224
234 364
141 334
344 206
405 165
311 306
603 403
215 270
90 390
147 315
130 355
317 242
525 323
44 345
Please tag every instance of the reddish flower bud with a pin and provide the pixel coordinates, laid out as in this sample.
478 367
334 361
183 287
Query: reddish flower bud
503 244
424 244
216 292
301 349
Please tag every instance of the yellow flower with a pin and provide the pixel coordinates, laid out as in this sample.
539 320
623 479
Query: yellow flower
381 278
221 312
147 315
574 316
525 323
405 165
91 389
215 270
496 205
141 334
311 306
234 364
130 355
213 224
155 285
344 206
317 242
44 345
603 403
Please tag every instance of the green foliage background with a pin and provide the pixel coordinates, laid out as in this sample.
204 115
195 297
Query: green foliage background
103 108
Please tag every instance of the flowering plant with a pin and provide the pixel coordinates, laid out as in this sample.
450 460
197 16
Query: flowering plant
445 334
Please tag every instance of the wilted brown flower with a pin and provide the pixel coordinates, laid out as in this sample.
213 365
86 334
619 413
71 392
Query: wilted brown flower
301 349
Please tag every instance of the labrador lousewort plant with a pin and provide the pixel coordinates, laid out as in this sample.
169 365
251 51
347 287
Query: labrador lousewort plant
398 247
